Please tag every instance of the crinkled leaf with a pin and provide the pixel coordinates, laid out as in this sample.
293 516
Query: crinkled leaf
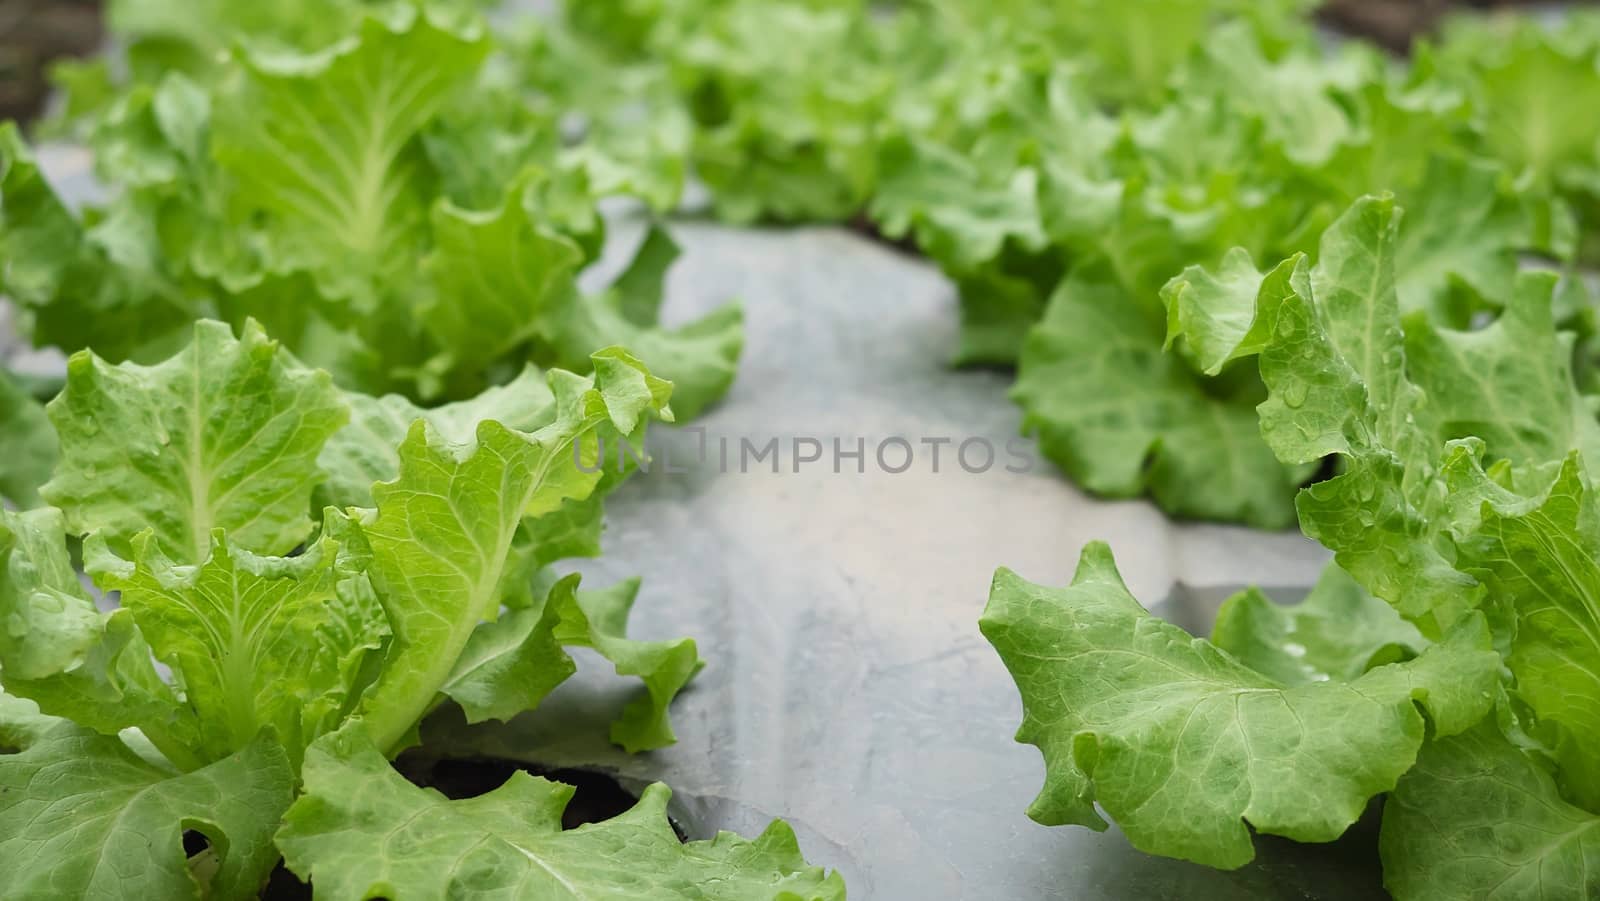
960 216
324 142
496 274
1337 385
1121 417
1540 560
49 621
153 134
700 358
28 445
1183 745
59 651
223 435
79 284
599 620
366 450
1458 226
1291 96
1336 633
258 641
1449 442
511 664
786 99
197 31
1509 383
1228 314
83 816
362 830
443 530
1519 74
1478 818
1344 379
503 281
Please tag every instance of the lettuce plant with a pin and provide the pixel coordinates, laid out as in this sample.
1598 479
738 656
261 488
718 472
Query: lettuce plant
1063 226
1448 657
1062 163
301 573
382 201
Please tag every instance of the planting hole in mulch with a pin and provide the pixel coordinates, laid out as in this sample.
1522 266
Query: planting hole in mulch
597 797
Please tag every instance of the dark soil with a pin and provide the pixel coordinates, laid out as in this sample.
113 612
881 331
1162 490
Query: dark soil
33 33
598 796
1396 23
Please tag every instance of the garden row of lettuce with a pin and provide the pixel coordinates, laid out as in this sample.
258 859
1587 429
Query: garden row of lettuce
1463 499
301 652
403 202
299 545
385 204
1101 181
1062 161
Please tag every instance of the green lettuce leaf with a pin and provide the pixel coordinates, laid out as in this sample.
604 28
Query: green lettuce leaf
78 283
1463 481
444 528
1336 633
1332 356
599 620
1539 559
83 816
503 280
553 72
1122 418
1290 97
1459 227
366 450
223 435
785 98
50 621
28 445
1259 140
21 724
1227 314
58 650
1509 383
408 226
1185 747
1480 818
1133 52
1517 72
360 829
324 143
170 34
511 664
959 214
700 358
258 641
497 274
